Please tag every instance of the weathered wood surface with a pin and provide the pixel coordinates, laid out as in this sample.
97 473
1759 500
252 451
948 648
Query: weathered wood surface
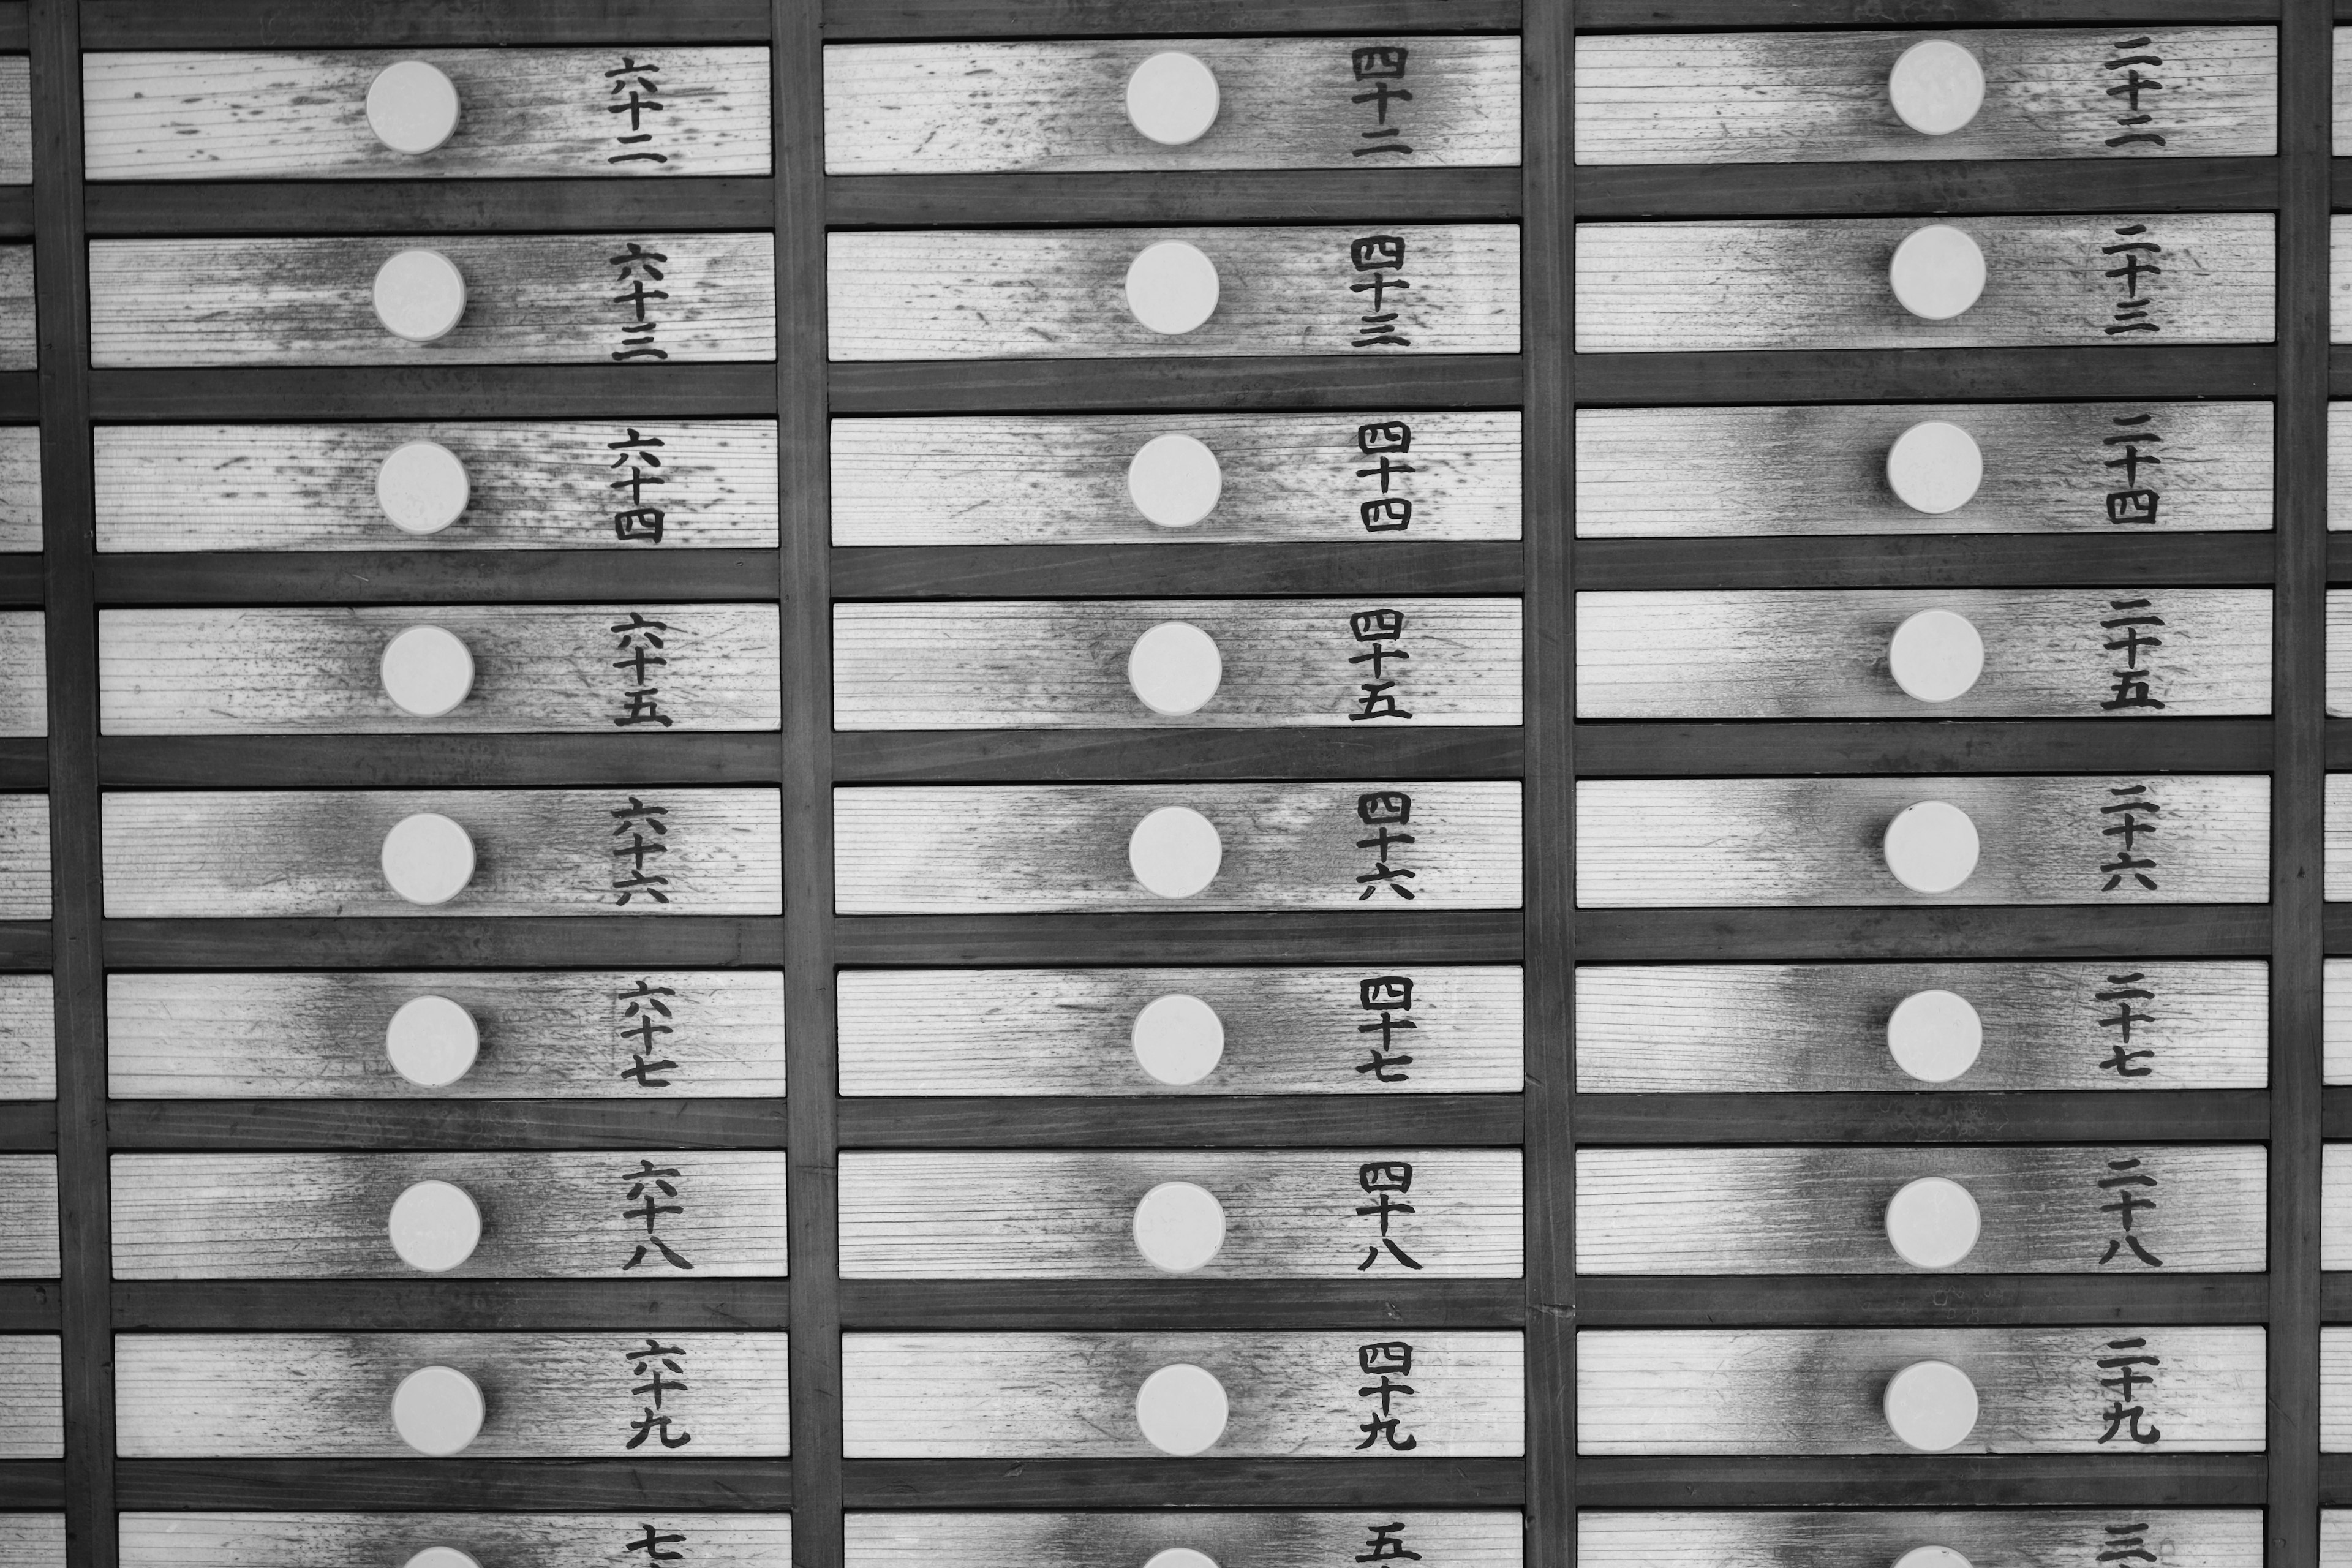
2335 1536
2342 140
1823 469
198 854
2335 1205
164 487
1013 848
1070 1031
2338 1015
16 342
1818 1391
29 1056
1290 1395
566 1035
2340 654
33 1393
944 294
15 121
537 668
2339 856
2335 1390
1822 1028
1854 1538
1488 1539
507 1539
553 1396
714 1214
34 1541
20 489
25 858
1286 476
2339 286
29 1243
1746 843
24 703
1027 665
1774 98
530 300
1060 106
2048 653
521 112
1821 283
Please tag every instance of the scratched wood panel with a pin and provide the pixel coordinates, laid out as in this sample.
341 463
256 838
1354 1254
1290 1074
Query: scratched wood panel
2335 1536
235 115
530 300
2339 655
1810 1029
1289 1396
32 1391
552 1395
1287 1031
1487 1539
24 859
20 489
28 1244
1030 664
34 1541
2339 848
1818 1391
1454 1213
15 121
2334 1390
545 1215
1823 469
1855 1538
222 853
1281 103
1012 848
2044 1209
24 704
1746 843
2336 1019
1061 293
537 668
17 339
2048 654
1816 283
28 1055
1286 476
562 1035
700 484
2339 285
2336 1205
508 1540
2049 93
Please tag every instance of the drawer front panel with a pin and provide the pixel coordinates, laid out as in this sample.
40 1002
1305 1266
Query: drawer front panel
32 1393
24 703
28 1029
29 1243
24 857
1488 1539
1850 1538
510 1540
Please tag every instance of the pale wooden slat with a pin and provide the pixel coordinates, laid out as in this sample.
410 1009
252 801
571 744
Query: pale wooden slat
2339 849
312 486
1043 666
522 112
2338 1015
2335 1205
33 1393
2339 280
25 858
1289 1215
34 1541
1814 283
1818 1391
1855 1538
15 121
1814 1028
508 1540
1488 1539
20 489
2335 1536
24 703
17 350
2342 139
537 852
537 668
1070 1031
2340 654
2335 1390
566 1035
530 300
1009 849
1062 294
1290 1395
29 1242
545 1215
1771 98
1744 843
28 1058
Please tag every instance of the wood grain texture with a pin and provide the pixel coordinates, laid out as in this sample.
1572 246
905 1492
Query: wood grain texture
2340 142
2339 655
29 1243
1818 1391
1845 1538
1813 1029
220 854
24 704
1010 849
31 1391
530 300
567 1395
522 113
2337 984
562 1035
1061 293
2336 1205
2335 1390
24 856
17 340
20 489
537 486
1030 1032
1488 1539
1819 283
1770 98
1060 106
34 1541
1064 481
29 1056
2339 837
15 121
1290 1395
509 1540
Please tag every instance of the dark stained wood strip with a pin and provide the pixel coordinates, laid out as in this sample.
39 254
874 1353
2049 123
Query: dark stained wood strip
701 941
2054 1117
16 201
434 578
447 1306
1982 186
29 1124
1769 936
404 1485
915 757
423 206
2051 745
1202 1482
1468 1121
424 762
1943 561
1175 571
1903 1480
1469 936
1229 196
28 1306
1901 375
1646 15
1938 1300
33 1483
909 19
1154 386
226 395
389 23
484 1124
1178 1305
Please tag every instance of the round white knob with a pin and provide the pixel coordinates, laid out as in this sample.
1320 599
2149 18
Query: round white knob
412 107
432 1041
1178 1039
422 487
1174 668
1175 852
1181 1409
1174 481
1937 273
427 858
1932 1223
1179 1228
419 295
1932 1557
1172 287
434 1226
1935 656
1180 1557
1931 1405
1931 847
1935 466
1934 1035
426 671
441 1557
1173 99
437 1410
1937 87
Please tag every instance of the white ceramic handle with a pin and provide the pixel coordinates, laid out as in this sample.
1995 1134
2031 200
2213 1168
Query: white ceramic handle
1937 273
1935 466
1931 1405
434 1226
441 1557
1934 1035
432 1041
1175 852
1179 1228
1172 287
1937 87
422 487
426 671
1178 1039
427 858
412 107
1174 481
438 1411
1935 656
1173 99
419 295
1181 1409
1174 668
1931 847
1932 1223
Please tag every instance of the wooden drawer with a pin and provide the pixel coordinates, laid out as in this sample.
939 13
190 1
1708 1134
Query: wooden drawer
24 857
32 1391
1488 1539
28 1026
20 489
1853 1538
513 1540
23 703
17 350
2335 1390
39 1541
28 1244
